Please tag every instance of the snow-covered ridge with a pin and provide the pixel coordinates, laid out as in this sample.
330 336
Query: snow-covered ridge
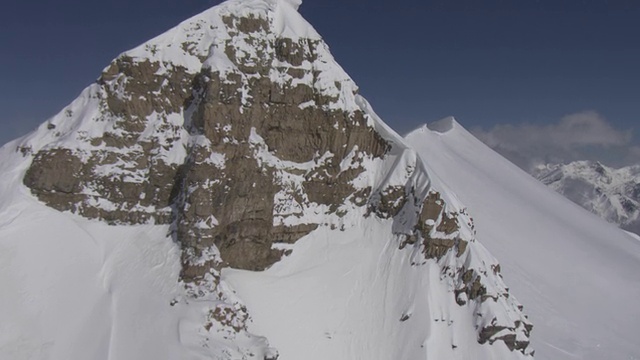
444 125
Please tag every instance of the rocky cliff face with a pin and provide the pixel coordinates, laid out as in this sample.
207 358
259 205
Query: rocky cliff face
239 132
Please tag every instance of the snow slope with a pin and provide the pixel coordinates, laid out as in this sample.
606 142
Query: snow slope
79 289
612 194
578 275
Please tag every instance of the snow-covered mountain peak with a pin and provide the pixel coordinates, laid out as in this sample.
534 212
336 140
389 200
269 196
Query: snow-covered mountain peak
202 38
444 125
238 137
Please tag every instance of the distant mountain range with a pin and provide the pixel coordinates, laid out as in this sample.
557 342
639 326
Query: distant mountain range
613 194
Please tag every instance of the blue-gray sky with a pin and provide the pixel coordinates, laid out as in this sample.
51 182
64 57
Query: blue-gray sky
521 64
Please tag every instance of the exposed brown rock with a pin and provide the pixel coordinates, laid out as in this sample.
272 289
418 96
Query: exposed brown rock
488 334
432 207
472 286
462 246
241 198
448 225
229 316
55 171
433 214
389 201
294 53
147 90
65 182
246 25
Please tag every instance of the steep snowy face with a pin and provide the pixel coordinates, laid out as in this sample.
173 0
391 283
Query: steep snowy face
239 133
577 274
612 194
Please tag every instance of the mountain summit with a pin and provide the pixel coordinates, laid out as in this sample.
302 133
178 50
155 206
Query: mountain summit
223 192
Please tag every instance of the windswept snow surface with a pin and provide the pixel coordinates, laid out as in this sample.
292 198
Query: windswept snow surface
80 289
73 288
353 295
578 276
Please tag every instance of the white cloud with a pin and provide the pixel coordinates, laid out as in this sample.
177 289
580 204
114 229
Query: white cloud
581 136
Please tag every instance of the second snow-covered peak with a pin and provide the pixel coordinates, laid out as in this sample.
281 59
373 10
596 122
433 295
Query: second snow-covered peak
443 125
448 126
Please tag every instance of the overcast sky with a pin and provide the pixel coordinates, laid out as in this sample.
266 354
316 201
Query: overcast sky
546 79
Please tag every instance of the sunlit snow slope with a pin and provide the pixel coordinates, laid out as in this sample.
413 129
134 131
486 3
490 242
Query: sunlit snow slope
78 289
578 275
